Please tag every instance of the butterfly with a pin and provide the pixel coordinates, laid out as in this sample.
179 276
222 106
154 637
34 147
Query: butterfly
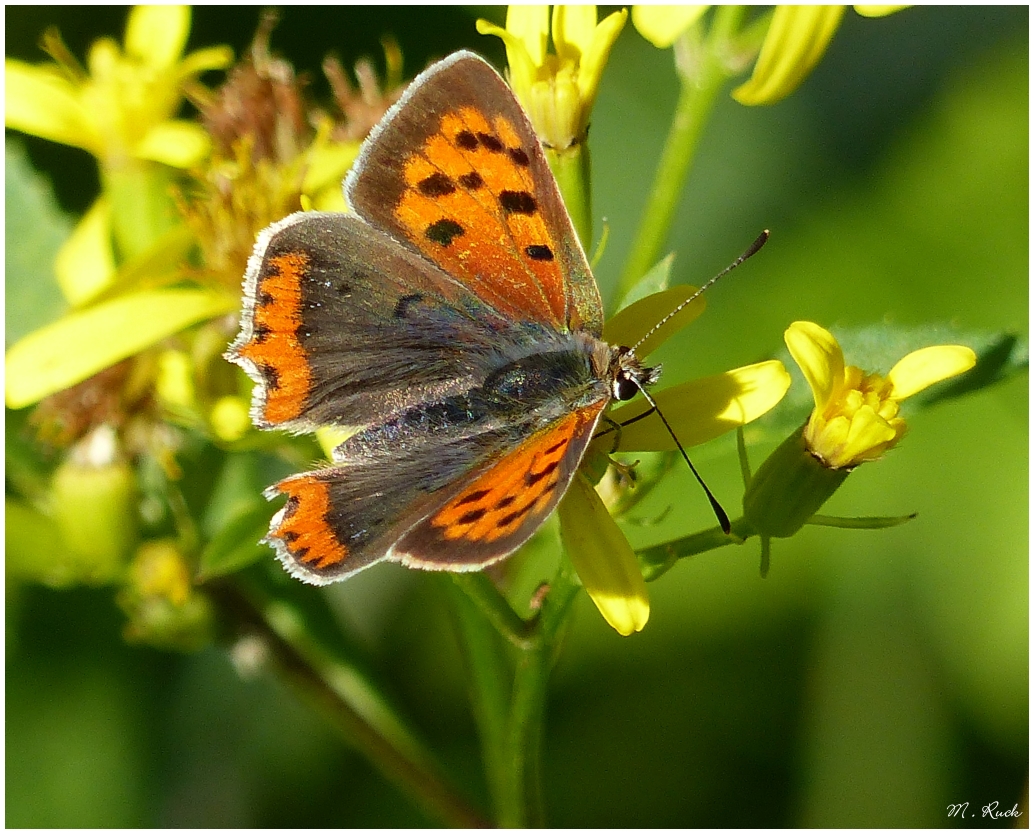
453 318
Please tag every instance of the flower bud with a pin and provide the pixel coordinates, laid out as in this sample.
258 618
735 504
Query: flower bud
163 607
94 497
789 488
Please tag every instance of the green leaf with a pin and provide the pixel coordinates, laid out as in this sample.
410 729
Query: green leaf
238 543
81 344
656 279
35 228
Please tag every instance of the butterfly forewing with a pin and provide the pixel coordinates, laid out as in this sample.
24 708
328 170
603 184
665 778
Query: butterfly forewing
347 327
456 172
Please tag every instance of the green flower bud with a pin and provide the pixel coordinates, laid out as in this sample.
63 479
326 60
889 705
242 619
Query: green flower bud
94 496
163 607
789 488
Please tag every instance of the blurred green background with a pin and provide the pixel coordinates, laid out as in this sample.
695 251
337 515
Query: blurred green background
872 679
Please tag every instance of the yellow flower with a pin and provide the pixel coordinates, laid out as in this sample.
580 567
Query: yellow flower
163 607
856 413
558 91
855 420
125 106
795 41
794 44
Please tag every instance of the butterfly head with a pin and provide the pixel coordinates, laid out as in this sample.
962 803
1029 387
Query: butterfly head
628 375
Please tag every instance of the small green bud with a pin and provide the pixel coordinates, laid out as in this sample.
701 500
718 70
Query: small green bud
163 606
789 488
94 497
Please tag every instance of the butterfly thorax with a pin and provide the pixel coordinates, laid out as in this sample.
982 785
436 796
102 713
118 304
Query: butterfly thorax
532 389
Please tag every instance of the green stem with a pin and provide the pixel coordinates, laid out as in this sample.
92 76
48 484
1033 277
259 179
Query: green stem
490 680
656 561
572 169
696 101
523 799
352 706
483 593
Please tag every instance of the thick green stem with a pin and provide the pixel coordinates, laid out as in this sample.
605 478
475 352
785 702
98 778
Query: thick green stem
696 101
479 588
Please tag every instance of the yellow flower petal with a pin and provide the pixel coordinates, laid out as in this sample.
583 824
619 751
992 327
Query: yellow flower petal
230 419
523 69
530 25
867 435
703 409
175 380
663 25
573 30
177 143
79 345
85 263
328 164
203 60
42 102
878 11
796 40
819 356
594 59
637 319
156 35
603 558
923 368
103 59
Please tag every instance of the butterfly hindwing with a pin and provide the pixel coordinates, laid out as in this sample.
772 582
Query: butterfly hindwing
499 508
456 172
407 504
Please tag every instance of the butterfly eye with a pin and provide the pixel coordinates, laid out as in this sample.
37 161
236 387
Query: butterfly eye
624 386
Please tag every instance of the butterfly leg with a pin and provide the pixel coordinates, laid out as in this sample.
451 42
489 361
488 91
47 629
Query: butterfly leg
615 427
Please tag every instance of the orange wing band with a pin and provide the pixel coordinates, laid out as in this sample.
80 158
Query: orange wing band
274 345
304 528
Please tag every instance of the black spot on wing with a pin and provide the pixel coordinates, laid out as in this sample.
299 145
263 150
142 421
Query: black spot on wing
517 202
436 185
490 142
539 252
466 140
443 231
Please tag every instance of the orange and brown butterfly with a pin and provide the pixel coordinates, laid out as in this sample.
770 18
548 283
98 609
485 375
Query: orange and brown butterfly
453 318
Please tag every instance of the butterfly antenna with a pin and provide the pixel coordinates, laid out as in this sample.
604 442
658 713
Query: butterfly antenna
720 514
719 511
751 250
